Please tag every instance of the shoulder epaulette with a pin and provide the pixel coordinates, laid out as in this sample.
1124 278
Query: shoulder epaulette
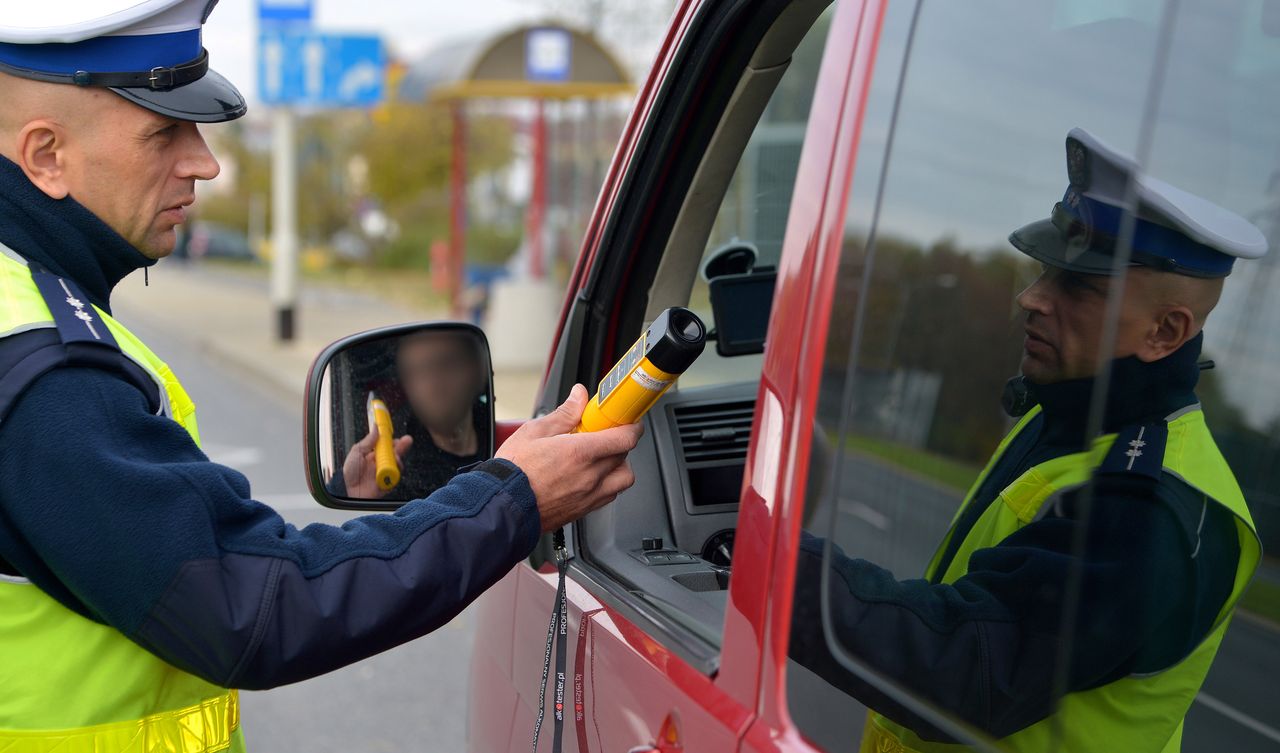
79 338
1138 449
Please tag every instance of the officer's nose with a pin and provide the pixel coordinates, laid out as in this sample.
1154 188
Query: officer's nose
1036 298
197 160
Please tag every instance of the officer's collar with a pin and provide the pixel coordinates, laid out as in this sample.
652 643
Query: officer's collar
64 237
1139 393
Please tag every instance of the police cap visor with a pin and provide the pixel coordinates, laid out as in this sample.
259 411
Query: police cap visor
209 99
1044 242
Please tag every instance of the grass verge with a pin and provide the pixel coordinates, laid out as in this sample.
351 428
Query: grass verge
1263 599
950 473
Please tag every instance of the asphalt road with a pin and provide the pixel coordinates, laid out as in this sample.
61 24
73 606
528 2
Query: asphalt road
391 703
1237 708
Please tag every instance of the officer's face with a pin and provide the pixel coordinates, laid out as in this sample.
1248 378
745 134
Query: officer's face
1065 315
136 170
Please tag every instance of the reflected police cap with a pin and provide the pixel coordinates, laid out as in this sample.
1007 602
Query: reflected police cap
1173 230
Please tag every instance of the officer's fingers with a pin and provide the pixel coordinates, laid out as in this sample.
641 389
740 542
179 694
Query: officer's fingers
366 444
617 481
564 418
618 441
569 413
401 446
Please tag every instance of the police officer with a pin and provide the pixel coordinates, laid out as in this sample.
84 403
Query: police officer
138 580
1158 550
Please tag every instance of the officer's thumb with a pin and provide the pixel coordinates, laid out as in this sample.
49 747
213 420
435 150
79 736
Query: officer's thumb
564 418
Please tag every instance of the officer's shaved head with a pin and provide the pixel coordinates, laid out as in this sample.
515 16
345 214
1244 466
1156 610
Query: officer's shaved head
1067 312
38 117
1166 290
133 168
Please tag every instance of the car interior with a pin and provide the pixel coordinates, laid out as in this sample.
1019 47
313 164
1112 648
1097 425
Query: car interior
666 545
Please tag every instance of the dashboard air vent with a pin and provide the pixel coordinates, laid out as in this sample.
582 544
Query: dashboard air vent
715 433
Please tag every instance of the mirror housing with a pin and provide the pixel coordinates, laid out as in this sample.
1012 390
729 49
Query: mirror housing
431 382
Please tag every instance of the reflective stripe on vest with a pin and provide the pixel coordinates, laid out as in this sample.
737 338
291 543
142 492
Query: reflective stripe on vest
206 727
1136 714
72 685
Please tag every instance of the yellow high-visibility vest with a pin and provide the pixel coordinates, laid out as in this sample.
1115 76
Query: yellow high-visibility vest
69 684
1135 714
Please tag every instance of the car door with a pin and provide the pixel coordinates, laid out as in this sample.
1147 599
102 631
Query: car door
665 653
953 136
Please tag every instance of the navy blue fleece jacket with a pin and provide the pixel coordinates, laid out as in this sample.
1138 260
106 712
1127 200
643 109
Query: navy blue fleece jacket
117 514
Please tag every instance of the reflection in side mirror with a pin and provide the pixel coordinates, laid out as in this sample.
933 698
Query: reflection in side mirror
392 414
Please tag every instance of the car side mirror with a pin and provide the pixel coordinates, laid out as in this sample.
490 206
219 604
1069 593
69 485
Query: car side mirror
394 413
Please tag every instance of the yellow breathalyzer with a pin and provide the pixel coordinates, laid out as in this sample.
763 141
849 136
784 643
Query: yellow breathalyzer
384 454
647 370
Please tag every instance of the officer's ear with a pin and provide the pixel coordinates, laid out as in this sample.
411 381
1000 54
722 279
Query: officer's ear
42 155
1172 328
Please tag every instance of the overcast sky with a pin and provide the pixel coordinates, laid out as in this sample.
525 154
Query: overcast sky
409 26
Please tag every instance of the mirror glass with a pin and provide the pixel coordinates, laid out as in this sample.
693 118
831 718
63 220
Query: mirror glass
398 414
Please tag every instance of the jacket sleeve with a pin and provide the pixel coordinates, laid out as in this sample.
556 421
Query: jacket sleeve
117 514
985 649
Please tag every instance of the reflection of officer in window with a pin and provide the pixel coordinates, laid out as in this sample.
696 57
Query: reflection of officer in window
1158 553
443 414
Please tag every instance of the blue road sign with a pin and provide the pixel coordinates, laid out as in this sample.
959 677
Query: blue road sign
548 55
285 11
302 67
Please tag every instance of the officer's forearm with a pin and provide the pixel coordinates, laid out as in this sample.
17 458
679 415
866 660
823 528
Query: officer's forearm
259 620
144 534
954 647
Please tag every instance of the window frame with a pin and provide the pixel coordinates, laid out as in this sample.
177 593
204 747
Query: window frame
709 63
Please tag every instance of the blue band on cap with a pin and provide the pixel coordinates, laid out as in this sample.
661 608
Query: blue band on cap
1149 238
106 54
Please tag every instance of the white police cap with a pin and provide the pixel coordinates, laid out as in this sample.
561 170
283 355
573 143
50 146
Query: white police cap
1174 230
147 51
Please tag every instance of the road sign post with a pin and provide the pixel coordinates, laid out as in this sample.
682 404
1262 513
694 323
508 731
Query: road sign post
299 67
284 223
548 58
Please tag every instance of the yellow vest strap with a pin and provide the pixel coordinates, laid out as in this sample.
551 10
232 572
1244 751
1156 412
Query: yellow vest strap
876 739
206 727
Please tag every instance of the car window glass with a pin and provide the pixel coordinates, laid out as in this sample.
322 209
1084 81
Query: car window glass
669 539
927 329
755 206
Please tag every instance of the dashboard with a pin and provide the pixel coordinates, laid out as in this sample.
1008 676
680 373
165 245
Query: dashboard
669 538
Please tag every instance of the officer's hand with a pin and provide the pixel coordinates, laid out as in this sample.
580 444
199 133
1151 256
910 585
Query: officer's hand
571 474
360 469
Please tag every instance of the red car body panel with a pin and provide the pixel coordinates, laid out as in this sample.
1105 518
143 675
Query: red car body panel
807 274
634 687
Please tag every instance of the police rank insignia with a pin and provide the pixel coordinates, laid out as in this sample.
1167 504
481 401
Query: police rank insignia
1077 164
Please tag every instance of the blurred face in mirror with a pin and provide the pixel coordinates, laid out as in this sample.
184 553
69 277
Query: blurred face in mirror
442 374
1159 313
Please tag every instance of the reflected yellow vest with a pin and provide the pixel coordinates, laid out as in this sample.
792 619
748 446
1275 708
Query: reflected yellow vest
71 685
1135 714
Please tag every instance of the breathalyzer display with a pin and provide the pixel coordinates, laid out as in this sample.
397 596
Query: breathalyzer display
647 370
384 456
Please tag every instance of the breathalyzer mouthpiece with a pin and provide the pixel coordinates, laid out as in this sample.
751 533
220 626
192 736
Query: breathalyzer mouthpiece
647 370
